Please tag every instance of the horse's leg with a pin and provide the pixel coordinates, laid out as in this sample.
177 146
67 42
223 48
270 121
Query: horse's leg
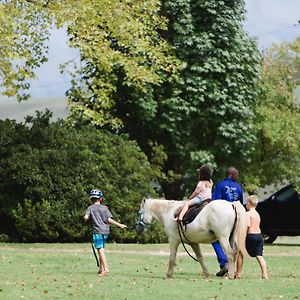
173 251
198 253
231 256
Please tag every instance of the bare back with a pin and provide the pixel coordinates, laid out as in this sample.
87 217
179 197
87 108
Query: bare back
253 221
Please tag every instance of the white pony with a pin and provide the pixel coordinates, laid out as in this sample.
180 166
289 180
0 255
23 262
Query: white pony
219 220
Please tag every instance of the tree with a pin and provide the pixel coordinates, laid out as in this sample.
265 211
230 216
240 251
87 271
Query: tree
24 29
47 170
109 33
277 146
202 115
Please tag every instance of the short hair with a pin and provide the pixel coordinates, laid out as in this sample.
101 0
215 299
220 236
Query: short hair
232 171
94 199
252 200
205 172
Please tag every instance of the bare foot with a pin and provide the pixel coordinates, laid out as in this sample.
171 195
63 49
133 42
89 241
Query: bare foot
104 273
264 277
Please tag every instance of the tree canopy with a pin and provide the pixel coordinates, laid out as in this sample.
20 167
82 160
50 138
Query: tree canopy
201 114
277 144
24 28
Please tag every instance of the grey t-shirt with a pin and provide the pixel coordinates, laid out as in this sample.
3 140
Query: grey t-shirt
98 215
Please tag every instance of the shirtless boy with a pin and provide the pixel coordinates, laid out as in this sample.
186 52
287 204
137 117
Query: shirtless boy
254 239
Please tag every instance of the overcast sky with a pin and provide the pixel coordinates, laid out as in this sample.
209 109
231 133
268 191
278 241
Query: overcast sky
271 21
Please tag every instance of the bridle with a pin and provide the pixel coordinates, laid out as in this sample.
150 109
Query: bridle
140 221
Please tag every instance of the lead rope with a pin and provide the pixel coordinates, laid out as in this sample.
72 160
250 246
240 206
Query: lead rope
96 258
180 230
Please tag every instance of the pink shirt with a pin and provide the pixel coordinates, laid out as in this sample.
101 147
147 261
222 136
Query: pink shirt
204 188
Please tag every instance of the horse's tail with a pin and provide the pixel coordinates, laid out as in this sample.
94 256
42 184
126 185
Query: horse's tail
240 229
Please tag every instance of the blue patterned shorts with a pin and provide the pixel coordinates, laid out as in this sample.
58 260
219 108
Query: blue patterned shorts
99 240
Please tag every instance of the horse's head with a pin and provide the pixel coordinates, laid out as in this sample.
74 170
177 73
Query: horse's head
144 219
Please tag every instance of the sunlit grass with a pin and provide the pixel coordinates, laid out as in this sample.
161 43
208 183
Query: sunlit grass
68 271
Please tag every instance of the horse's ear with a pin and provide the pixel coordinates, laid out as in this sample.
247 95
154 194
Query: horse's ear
144 200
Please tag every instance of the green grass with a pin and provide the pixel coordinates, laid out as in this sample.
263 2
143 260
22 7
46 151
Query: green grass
68 271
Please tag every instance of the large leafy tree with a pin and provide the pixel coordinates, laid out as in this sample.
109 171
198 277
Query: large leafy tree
210 108
110 34
277 146
202 115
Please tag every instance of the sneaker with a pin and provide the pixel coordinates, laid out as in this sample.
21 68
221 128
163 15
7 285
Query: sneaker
223 271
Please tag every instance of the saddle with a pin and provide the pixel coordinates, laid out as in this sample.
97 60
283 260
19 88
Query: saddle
192 212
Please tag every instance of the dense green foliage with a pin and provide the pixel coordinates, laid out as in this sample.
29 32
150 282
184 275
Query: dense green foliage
277 144
204 114
47 170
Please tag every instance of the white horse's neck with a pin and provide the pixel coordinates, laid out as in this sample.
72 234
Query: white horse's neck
160 207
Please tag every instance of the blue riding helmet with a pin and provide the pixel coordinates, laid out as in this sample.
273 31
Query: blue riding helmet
96 194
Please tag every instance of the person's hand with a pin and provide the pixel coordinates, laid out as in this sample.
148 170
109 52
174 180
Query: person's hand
123 226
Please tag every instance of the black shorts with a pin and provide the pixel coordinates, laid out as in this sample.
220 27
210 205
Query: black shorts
254 244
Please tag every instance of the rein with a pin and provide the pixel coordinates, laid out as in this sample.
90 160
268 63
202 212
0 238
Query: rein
94 251
181 232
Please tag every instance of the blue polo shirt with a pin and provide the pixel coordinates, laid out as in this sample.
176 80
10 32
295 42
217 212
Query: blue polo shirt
229 190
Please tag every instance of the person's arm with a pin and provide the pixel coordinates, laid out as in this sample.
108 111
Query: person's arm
198 189
112 221
86 217
248 219
241 196
194 194
217 192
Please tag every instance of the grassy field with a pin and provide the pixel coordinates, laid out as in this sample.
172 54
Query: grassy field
68 271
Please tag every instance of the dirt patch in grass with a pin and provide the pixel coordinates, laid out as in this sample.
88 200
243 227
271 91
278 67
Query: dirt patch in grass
292 252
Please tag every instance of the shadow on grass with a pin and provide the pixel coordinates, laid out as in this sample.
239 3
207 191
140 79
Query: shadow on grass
282 245
176 276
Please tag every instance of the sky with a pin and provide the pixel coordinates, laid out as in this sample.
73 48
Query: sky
269 21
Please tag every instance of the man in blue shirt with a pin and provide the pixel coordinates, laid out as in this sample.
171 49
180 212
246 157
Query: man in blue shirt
229 190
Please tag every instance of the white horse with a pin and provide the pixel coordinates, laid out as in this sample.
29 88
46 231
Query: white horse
219 220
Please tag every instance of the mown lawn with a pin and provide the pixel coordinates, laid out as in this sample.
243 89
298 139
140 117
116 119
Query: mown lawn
68 271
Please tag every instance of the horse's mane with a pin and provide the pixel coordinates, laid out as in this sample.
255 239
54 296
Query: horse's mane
162 204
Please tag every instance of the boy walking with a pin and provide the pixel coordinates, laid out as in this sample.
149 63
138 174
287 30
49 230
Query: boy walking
254 239
100 218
